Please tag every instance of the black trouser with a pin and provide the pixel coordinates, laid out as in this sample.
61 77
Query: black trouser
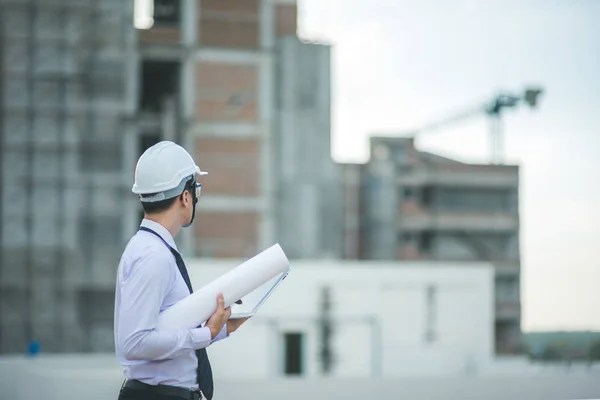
136 390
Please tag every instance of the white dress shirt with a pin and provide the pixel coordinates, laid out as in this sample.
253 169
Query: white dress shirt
148 282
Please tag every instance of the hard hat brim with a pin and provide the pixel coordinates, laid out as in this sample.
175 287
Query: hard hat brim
200 172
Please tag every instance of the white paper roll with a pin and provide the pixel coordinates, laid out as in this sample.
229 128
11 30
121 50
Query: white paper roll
235 284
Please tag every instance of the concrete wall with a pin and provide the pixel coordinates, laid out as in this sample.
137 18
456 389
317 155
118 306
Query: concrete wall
382 319
352 182
380 213
306 180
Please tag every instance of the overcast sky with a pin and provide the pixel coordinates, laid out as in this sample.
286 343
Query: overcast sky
398 64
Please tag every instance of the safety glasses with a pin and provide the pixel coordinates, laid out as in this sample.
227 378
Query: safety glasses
198 188
194 188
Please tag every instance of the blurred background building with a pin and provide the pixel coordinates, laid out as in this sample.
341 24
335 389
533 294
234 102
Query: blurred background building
84 94
66 107
410 205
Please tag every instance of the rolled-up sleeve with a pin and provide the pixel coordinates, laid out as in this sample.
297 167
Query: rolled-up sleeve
142 289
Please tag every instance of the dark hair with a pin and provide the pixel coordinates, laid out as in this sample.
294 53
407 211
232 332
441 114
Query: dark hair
164 205
158 206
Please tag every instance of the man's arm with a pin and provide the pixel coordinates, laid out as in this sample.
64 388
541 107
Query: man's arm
222 335
230 326
142 293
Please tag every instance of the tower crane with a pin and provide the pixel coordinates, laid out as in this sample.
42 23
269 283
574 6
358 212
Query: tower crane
493 109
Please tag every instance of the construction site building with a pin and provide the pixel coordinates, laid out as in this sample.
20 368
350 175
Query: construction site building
66 107
82 95
407 204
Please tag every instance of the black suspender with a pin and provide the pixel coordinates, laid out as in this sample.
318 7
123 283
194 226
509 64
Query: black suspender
178 259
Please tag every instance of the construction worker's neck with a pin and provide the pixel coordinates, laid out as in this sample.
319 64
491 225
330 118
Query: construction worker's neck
170 219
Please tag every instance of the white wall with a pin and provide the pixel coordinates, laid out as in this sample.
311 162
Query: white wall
380 319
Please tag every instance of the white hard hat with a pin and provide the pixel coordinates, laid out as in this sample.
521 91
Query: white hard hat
163 170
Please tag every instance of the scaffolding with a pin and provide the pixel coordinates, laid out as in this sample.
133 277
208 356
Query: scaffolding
62 79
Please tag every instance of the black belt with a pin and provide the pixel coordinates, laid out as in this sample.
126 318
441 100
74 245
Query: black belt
164 390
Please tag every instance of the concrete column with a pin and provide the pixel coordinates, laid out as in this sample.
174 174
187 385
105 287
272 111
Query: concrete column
190 19
132 64
131 202
188 64
187 236
309 212
267 24
266 105
129 142
190 12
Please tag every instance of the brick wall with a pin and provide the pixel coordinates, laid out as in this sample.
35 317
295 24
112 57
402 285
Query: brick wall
227 234
409 207
160 36
286 19
229 23
232 165
408 252
226 92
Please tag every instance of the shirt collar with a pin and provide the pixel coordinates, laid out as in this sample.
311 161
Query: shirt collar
161 230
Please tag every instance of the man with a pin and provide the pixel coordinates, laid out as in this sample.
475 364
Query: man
163 364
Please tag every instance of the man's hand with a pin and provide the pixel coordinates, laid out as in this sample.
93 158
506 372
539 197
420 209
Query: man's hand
234 324
216 322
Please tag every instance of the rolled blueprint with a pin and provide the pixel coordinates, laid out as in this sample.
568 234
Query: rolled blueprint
195 309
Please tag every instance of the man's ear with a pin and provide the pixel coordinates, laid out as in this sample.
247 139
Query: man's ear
185 197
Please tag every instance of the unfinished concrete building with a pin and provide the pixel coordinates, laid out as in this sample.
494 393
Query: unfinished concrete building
410 205
64 111
83 94
253 103
221 54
